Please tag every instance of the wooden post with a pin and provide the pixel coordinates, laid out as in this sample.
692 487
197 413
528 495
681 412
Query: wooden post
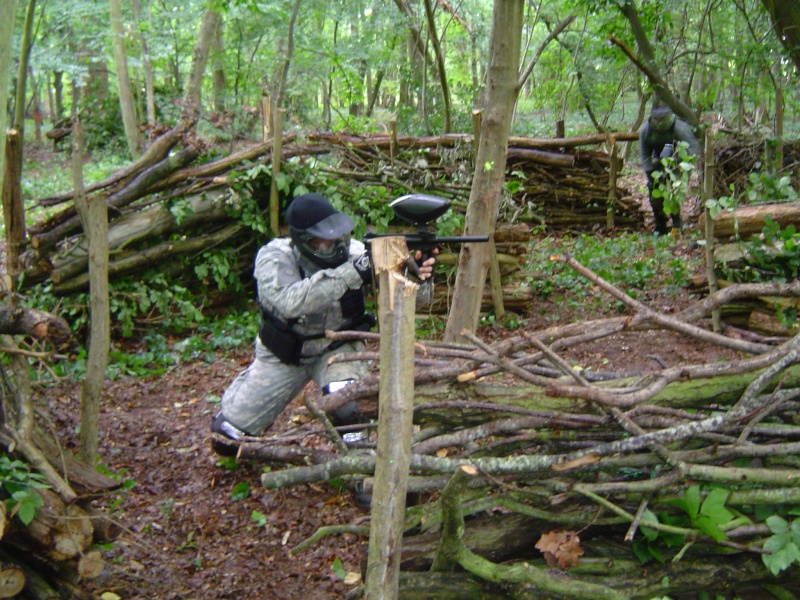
397 305
277 150
266 118
13 207
708 191
613 172
779 117
494 278
393 144
477 119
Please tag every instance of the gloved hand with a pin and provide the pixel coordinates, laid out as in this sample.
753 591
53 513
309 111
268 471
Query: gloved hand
363 265
421 265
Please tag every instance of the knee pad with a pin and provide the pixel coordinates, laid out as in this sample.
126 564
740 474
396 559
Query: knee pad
335 386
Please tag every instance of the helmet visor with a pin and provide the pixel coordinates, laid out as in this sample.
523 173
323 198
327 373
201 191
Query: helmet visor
662 122
335 226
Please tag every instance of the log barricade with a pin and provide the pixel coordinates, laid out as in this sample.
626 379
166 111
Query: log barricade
561 184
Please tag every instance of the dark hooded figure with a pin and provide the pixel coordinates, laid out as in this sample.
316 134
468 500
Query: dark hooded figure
657 139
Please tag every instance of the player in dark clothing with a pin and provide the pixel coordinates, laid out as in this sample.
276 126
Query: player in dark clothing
657 139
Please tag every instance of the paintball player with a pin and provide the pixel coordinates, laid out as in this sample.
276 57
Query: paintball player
657 139
308 283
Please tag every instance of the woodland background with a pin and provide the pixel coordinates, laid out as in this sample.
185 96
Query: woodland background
180 109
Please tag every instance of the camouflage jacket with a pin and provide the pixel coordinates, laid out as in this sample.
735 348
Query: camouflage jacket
307 297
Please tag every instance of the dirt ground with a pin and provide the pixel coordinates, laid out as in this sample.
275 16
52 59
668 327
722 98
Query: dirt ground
188 524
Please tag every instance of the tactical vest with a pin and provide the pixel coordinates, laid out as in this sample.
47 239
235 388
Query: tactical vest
283 341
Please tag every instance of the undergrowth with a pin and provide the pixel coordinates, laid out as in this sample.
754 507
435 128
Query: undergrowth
635 263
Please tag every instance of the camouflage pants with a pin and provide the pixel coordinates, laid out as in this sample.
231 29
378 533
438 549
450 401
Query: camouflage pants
260 393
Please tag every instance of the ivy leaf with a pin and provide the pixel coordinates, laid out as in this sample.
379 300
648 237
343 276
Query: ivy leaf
26 512
649 517
777 525
782 556
241 491
714 506
689 502
707 525
338 568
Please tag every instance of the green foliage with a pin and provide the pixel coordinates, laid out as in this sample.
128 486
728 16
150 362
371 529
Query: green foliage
246 188
510 321
219 265
772 257
763 187
630 261
707 515
717 205
103 127
769 187
338 568
783 544
20 485
672 179
241 491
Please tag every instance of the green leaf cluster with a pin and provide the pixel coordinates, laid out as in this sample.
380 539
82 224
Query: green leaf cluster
707 515
19 484
672 179
627 260
783 544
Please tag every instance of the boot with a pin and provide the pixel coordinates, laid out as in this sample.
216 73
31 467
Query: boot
349 414
225 429
659 218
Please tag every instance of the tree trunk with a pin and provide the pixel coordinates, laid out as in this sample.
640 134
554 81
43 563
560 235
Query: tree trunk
649 67
94 217
8 7
218 73
22 72
205 38
123 79
440 64
13 208
785 15
490 164
147 65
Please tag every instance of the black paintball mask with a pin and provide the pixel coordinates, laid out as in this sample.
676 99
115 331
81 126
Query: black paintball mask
662 119
311 217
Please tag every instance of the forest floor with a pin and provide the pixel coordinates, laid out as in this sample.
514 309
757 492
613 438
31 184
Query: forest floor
188 524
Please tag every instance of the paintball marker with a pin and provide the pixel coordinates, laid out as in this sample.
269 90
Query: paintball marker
421 209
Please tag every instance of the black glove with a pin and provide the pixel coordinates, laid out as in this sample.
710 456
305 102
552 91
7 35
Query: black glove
363 265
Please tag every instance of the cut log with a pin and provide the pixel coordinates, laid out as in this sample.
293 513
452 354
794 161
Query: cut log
517 296
36 586
764 321
445 586
749 220
154 255
137 227
61 532
12 580
91 564
495 537
68 221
